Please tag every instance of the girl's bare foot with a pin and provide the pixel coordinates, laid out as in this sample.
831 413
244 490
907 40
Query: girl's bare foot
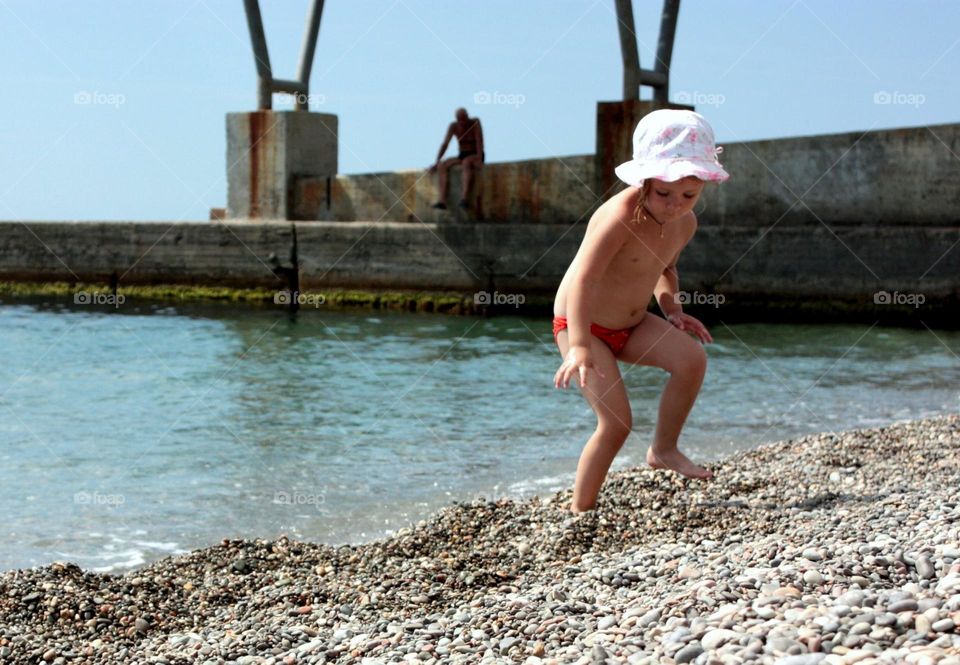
677 461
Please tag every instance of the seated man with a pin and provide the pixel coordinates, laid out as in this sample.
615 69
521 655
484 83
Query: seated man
470 141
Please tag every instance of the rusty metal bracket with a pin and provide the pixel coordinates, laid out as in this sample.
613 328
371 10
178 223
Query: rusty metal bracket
633 76
266 83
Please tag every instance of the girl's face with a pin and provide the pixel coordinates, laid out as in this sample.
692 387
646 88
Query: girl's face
669 201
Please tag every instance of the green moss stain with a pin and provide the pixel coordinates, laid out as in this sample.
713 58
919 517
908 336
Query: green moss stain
163 292
735 309
412 301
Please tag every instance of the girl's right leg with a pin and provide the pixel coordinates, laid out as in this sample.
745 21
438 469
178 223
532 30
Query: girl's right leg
608 399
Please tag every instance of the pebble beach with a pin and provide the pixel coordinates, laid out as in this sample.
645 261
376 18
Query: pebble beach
839 547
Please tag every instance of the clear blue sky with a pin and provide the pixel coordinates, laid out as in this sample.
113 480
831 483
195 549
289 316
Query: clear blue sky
163 73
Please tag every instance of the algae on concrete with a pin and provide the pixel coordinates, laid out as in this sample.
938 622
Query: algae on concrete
414 301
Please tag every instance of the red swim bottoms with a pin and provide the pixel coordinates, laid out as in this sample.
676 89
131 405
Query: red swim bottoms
615 339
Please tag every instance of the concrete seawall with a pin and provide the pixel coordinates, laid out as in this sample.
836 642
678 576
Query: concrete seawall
836 272
905 176
858 224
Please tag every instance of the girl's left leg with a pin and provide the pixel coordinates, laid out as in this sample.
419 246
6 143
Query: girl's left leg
656 342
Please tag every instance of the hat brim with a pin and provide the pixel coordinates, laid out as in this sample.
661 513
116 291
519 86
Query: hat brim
635 172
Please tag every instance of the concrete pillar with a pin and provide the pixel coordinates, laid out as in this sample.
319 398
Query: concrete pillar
267 151
615 124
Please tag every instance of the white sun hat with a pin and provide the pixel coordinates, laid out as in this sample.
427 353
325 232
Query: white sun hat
670 144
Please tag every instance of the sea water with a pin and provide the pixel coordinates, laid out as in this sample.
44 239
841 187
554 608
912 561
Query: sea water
135 432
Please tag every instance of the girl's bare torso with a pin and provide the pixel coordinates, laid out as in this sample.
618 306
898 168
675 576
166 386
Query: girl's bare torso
625 289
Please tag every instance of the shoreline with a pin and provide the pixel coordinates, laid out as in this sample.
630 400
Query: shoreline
828 548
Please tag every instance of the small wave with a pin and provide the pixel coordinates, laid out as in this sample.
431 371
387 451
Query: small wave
528 486
123 554
114 561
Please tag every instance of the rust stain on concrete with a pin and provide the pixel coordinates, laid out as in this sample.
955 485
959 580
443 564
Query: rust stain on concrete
255 129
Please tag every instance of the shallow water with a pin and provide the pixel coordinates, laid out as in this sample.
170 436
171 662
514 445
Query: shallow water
131 434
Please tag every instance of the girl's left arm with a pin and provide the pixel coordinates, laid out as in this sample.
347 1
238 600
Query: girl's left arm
667 290
671 299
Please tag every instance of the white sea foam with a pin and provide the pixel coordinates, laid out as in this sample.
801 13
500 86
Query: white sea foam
121 553
543 484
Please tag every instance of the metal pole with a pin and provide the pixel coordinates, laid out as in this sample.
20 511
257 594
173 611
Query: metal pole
628 50
668 28
306 52
260 56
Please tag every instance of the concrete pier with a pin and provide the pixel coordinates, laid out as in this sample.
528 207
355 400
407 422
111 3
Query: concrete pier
892 177
859 223
775 274
268 152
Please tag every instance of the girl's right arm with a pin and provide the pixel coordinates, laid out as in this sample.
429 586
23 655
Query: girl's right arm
599 247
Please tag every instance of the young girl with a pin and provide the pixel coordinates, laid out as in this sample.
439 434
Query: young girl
630 252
